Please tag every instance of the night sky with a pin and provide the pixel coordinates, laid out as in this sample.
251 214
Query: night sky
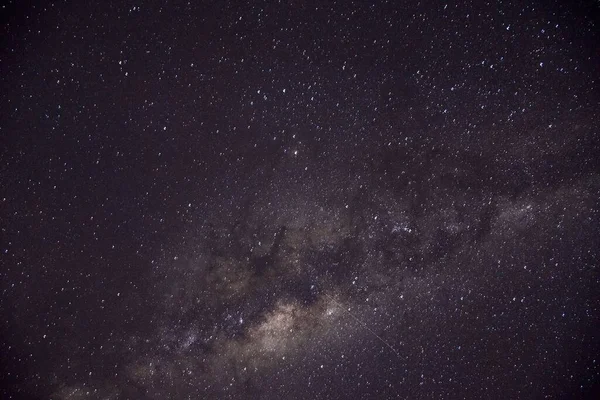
299 200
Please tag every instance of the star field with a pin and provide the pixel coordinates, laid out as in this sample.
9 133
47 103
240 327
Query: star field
299 200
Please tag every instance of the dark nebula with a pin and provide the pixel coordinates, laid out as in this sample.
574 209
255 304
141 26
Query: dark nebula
299 200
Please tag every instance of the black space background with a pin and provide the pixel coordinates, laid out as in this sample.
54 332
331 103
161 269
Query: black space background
299 199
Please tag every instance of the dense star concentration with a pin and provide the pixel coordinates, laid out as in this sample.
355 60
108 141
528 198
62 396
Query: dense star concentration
299 200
